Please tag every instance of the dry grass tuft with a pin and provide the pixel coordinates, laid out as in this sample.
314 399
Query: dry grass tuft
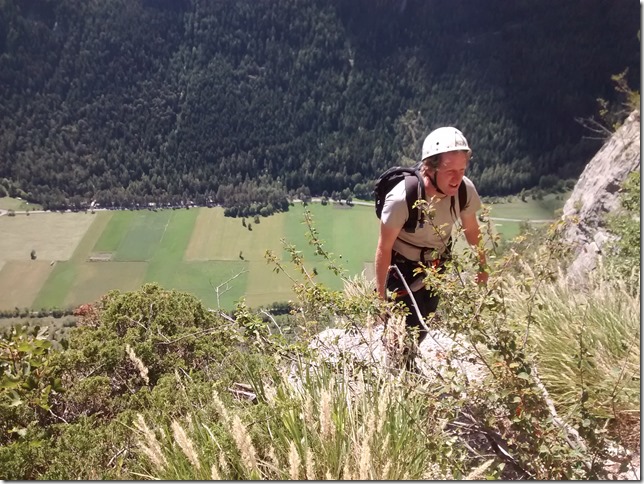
327 427
244 444
143 370
150 447
310 465
221 408
293 462
478 473
185 444
214 473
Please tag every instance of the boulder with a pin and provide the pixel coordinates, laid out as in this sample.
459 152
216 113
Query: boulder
436 354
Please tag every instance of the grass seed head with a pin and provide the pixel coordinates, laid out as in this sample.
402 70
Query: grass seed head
244 444
184 442
214 473
140 366
310 465
327 427
293 462
151 447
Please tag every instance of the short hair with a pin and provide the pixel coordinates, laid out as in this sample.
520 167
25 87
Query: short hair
432 161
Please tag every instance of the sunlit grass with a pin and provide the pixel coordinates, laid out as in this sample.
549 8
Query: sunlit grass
317 424
602 325
8 203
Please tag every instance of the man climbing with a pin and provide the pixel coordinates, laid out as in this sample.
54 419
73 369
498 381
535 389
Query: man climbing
445 156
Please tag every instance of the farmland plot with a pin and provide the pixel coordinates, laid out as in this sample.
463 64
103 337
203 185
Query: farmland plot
80 257
53 236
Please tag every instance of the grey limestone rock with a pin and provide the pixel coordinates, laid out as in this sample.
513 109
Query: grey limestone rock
596 194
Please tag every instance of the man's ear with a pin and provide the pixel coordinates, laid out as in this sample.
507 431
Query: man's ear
426 169
430 170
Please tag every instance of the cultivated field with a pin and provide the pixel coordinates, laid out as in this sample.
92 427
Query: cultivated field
7 203
81 256
18 279
53 236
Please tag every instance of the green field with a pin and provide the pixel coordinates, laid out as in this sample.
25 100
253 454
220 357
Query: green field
81 256
199 251
528 211
7 203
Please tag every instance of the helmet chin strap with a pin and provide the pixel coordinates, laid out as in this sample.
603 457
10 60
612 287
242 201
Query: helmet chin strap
433 180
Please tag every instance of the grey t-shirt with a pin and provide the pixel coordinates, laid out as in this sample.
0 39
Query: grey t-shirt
436 230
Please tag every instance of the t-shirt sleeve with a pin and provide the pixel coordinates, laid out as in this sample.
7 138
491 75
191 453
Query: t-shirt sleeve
394 210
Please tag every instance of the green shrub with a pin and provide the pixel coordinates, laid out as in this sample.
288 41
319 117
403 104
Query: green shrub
25 386
624 254
114 360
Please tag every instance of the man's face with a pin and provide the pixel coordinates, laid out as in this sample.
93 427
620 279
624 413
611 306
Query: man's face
451 171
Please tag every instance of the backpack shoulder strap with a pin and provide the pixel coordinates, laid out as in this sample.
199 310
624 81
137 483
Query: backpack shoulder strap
462 200
462 196
413 190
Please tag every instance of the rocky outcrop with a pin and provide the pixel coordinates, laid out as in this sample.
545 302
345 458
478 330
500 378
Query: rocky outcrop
436 354
596 194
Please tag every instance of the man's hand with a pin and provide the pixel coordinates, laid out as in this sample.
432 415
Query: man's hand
473 237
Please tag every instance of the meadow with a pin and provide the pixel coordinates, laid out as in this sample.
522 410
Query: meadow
8 203
81 256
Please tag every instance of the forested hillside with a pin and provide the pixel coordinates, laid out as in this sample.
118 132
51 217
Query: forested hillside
234 102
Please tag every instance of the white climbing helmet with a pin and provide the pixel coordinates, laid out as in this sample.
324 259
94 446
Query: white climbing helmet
442 140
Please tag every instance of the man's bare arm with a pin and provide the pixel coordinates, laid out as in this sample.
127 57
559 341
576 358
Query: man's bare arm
385 245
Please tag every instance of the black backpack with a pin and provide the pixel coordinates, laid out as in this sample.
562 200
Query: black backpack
415 190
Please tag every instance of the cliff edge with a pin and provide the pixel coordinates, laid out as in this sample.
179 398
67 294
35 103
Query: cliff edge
596 194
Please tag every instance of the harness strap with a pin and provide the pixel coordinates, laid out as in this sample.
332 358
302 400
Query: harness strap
423 250
407 266
412 193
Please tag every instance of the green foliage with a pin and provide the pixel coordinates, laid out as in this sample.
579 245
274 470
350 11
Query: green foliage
513 402
614 113
624 255
320 306
127 353
178 102
25 387
352 419
139 337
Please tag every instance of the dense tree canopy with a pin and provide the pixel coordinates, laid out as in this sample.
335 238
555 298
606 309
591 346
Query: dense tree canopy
242 102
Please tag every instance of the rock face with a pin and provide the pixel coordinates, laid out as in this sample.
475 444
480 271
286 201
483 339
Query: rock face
436 353
596 194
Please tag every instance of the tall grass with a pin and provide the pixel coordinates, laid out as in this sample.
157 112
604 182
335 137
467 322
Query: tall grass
351 421
587 342
317 424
